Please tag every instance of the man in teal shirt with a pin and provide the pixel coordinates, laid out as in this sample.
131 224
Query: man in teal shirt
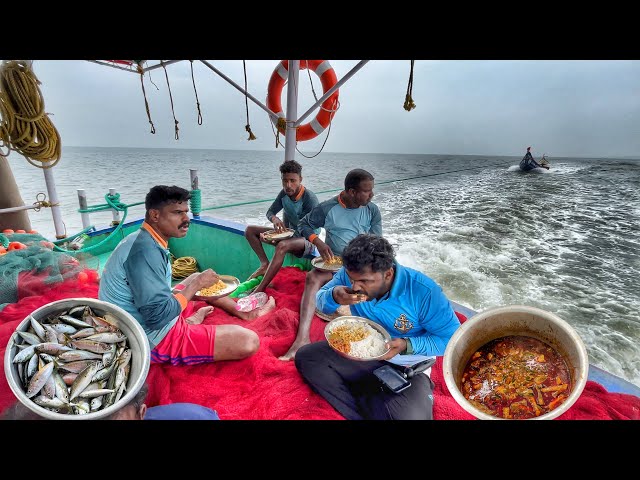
408 304
344 216
295 201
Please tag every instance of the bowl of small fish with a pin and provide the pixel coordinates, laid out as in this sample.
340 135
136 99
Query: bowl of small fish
77 359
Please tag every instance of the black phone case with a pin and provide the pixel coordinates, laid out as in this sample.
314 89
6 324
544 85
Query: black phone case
391 379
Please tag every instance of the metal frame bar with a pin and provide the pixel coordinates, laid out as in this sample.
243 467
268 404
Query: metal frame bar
106 64
341 82
238 87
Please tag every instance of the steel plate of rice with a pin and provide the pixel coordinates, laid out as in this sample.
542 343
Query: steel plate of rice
357 338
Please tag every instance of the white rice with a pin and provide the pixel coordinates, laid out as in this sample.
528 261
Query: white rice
373 345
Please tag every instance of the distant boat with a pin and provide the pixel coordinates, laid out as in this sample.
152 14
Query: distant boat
528 162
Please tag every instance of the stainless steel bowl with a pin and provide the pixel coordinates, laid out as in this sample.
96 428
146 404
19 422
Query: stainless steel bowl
374 325
515 320
137 340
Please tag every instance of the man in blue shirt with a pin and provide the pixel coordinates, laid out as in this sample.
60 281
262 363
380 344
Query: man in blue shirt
408 304
296 201
344 216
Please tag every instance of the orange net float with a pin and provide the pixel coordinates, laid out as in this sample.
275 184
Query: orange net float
328 78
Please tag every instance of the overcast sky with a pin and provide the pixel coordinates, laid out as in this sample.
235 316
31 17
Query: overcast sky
574 108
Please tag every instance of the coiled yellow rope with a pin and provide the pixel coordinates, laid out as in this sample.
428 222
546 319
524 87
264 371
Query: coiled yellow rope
24 125
183 267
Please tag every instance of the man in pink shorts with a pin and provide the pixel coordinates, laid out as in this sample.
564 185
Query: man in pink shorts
137 278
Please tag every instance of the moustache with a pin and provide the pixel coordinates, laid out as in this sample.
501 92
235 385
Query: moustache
185 224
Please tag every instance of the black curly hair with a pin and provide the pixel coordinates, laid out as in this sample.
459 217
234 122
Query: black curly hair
368 250
291 166
160 195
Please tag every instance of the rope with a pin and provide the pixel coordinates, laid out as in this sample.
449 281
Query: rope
24 125
183 267
144 94
195 202
170 98
282 125
336 104
113 202
194 89
4 240
340 189
247 127
408 101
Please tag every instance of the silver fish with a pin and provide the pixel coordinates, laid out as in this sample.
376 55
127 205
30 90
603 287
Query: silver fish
109 337
37 328
83 379
30 338
74 355
39 379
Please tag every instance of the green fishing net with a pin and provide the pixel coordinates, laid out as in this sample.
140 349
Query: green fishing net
32 270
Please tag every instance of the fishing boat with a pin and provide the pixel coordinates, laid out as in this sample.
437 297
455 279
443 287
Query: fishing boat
260 387
528 163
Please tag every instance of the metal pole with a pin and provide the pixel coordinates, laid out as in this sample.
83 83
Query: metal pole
340 82
18 209
292 110
53 198
193 173
116 213
82 201
251 97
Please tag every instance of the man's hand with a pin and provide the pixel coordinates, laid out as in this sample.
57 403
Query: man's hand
278 225
396 345
323 249
206 279
346 296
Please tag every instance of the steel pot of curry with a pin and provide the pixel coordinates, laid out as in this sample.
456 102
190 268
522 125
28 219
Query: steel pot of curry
515 362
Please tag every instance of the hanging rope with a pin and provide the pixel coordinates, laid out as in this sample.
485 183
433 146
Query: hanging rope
144 94
24 125
247 127
170 98
183 267
282 125
408 101
194 89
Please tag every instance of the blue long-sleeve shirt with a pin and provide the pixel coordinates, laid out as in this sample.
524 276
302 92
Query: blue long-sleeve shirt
294 209
414 308
137 278
342 224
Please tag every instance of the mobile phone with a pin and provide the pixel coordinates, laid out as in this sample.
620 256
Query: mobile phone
391 379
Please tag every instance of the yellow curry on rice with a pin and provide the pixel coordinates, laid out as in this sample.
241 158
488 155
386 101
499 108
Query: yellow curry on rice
516 377
214 289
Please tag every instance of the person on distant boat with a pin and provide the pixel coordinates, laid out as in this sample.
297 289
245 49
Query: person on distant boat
137 278
409 305
296 201
344 216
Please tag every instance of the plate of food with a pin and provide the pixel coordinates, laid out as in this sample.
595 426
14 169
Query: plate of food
340 312
332 265
273 236
357 338
225 285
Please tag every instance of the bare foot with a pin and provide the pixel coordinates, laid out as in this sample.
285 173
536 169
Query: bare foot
198 317
263 310
290 355
262 269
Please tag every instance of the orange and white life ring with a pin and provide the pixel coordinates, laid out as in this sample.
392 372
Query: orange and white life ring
328 78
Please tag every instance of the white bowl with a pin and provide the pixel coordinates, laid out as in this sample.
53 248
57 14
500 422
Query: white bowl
515 320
